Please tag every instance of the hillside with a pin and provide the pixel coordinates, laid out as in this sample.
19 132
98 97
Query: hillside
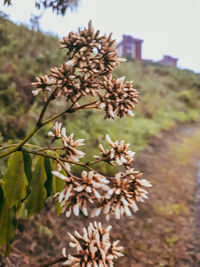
23 54
167 95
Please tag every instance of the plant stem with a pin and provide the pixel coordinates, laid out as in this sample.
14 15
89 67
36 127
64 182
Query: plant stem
83 106
6 147
54 117
50 149
96 161
9 146
18 146
45 108
78 98
39 153
53 262
69 110
40 124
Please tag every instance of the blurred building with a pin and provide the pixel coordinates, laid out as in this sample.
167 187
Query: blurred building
130 47
169 61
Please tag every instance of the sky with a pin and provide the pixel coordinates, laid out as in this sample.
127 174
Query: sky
168 27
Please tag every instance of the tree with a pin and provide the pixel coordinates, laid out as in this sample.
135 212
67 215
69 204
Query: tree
59 6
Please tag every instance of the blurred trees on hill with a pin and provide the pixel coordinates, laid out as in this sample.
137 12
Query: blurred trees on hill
59 6
23 54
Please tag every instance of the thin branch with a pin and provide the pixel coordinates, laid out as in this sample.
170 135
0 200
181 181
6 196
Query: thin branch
54 117
39 153
50 149
17 147
84 106
9 146
72 105
89 107
45 107
69 110
40 124
34 146
63 166
6 147
37 127
96 161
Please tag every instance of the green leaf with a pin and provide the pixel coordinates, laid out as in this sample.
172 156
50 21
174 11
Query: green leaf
58 184
15 181
7 229
49 181
28 169
22 211
38 193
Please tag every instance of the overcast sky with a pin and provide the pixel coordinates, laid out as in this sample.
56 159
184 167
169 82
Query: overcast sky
169 27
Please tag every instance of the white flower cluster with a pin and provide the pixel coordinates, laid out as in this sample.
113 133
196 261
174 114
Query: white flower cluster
94 247
122 196
126 190
119 153
42 84
119 99
69 145
79 191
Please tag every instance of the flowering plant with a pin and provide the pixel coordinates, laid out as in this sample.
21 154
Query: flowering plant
87 72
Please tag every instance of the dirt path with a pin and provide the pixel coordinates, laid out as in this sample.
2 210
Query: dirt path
162 233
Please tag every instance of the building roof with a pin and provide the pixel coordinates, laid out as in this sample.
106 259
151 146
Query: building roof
167 56
129 38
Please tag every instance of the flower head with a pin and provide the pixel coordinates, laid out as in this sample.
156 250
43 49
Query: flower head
93 54
71 152
70 146
94 247
72 84
119 98
79 191
42 84
56 134
126 190
66 83
119 153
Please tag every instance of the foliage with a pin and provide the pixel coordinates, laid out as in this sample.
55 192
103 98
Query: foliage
23 54
58 6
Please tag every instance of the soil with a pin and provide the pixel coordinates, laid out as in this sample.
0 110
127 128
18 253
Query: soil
162 233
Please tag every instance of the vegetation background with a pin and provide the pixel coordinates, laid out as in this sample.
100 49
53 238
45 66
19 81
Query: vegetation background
168 96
